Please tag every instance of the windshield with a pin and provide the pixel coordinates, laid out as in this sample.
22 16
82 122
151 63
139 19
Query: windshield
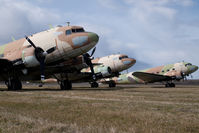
123 57
189 64
77 30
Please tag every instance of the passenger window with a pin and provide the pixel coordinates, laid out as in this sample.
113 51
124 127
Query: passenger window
68 32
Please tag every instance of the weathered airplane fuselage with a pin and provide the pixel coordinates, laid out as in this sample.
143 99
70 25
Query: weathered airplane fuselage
68 41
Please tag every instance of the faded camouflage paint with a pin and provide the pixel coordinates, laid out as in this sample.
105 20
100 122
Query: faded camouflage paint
124 79
55 37
169 70
99 69
13 50
115 63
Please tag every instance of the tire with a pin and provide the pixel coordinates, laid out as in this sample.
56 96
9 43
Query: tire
167 85
94 85
14 84
112 84
172 85
66 85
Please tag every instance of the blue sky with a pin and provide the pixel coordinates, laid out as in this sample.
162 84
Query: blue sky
155 32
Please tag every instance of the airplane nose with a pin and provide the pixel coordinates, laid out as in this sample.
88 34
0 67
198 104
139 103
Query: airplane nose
93 37
129 61
192 68
133 61
195 68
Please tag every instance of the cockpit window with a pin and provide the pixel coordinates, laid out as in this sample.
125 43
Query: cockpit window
78 30
68 32
188 64
123 57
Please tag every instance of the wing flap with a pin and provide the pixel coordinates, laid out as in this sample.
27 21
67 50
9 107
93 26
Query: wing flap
151 78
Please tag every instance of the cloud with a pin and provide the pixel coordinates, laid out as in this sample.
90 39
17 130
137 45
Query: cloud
111 4
19 18
155 32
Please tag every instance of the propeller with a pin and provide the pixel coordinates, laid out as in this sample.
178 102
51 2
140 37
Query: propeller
40 55
191 76
88 59
184 76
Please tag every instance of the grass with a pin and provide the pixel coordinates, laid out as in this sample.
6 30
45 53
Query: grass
126 109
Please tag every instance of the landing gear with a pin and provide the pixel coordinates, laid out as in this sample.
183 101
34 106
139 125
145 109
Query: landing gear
94 85
170 85
65 85
14 84
112 84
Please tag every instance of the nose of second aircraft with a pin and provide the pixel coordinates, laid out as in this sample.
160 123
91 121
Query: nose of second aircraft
192 69
129 61
93 37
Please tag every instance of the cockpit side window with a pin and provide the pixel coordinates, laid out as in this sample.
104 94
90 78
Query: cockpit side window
78 30
68 32
123 57
188 64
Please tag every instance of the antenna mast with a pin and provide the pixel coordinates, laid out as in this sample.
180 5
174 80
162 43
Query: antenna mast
68 23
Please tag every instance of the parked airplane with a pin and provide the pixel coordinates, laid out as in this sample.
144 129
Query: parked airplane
166 73
37 56
104 67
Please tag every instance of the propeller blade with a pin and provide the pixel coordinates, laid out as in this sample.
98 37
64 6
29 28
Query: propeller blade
90 64
93 51
42 71
92 71
42 68
30 42
50 50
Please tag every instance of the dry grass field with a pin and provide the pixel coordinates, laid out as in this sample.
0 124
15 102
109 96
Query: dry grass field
125 109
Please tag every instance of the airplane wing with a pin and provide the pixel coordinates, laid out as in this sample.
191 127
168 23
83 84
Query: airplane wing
5 64
151 78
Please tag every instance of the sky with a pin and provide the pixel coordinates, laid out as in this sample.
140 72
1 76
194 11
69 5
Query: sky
154 32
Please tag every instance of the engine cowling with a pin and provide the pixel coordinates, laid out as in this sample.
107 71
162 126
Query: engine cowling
101 70
29 58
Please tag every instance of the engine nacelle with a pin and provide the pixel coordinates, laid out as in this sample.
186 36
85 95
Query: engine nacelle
101 70
30 61
104 70
29 58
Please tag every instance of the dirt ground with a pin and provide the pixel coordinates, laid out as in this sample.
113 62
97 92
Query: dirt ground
124 109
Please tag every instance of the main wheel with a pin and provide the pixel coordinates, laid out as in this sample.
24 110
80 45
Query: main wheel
14 84
172 85
167 85
94 85
112 84
66 85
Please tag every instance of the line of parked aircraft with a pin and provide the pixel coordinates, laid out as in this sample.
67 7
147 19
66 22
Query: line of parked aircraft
61 53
